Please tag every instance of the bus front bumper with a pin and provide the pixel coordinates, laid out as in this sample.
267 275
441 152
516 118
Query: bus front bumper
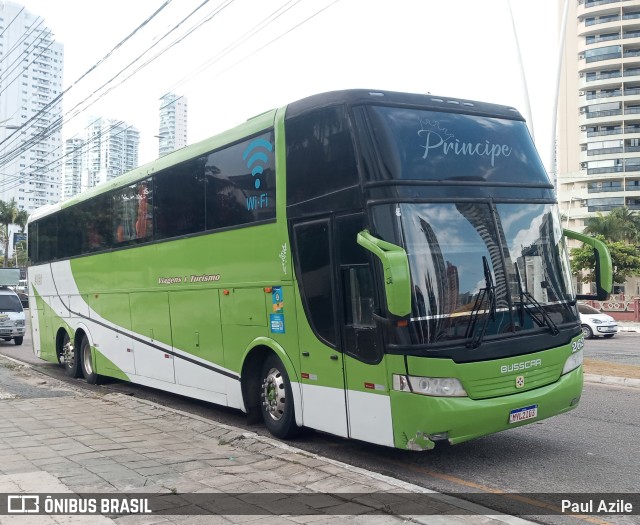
420 421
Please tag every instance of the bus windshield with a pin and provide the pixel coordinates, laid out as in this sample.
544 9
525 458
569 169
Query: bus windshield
480 269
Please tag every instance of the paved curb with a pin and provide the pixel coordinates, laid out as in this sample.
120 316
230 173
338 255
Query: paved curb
611 380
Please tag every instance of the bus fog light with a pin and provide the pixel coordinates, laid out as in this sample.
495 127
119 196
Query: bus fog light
429 386
573 362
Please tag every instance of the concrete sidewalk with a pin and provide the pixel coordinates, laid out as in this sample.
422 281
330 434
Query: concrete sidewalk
59 439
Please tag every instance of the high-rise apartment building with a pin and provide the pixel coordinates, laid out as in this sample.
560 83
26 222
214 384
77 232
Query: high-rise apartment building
31 69
72 173
598 148
111 148
173 123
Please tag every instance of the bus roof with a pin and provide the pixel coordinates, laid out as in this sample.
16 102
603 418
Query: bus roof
426 101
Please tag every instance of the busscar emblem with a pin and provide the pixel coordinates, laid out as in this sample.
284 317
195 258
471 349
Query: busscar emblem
519 381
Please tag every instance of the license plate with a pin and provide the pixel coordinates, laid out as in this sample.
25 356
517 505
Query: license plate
522 414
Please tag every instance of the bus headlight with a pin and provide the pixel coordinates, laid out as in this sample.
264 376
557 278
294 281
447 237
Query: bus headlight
429 386
573 362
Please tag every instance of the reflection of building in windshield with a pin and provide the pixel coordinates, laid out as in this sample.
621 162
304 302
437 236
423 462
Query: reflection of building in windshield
481 218
536 261
441 283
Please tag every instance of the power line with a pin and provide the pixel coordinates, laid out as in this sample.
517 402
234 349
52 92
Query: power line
92 68
34 139
246 36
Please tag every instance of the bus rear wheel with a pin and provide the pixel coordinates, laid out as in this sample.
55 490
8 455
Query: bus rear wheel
70 359
277 399
88 370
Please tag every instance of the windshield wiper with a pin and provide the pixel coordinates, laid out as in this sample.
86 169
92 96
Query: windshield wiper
488 294
529 303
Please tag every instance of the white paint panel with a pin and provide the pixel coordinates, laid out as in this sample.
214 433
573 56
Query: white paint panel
79 306
324 409
370 417
190 374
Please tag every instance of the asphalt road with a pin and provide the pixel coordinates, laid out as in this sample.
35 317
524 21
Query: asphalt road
623 349
591 449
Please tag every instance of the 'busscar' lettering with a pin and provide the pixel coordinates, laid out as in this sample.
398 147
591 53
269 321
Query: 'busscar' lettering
504 369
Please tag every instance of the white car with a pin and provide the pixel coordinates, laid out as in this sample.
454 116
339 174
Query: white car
12 321
595 323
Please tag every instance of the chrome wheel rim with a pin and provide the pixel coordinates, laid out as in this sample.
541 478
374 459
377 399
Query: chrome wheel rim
69 355
274 394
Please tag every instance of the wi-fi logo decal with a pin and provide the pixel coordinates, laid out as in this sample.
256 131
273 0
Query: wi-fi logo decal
255 152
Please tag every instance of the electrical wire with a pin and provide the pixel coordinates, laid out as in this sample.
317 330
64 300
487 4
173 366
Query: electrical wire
91 69
56 163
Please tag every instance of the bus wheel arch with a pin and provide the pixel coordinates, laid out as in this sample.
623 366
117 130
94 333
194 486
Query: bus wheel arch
253 376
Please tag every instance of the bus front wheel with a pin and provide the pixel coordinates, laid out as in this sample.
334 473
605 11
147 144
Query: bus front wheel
277 399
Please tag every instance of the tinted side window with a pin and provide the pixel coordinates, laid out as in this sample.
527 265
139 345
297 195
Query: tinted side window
47 238
320 156
133 213
96 218
71 229
32 239
179 199
241 183
314 273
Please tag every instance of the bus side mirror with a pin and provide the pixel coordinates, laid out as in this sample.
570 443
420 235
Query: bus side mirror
395 265
604 268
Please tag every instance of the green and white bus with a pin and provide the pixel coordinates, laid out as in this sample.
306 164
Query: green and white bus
387 267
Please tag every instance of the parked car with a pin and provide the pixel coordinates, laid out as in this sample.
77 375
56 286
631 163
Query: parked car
12 320
595 323
24 298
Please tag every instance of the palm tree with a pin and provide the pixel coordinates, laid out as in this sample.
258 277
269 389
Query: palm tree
605 225
10 214
621 224
628 223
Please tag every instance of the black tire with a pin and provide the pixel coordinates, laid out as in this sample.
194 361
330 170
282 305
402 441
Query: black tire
608 336
277 399
70 359
18 340
86 363
587 332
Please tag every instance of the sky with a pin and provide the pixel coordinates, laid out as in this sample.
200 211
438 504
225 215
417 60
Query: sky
233 59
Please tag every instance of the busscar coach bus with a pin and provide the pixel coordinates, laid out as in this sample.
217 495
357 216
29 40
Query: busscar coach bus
388 267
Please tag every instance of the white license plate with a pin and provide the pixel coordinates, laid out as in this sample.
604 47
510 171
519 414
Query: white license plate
522 414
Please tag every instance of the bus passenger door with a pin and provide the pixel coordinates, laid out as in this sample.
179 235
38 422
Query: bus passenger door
367 391
321 362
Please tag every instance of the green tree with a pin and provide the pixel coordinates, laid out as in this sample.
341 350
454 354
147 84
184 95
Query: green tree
10 214
620 224
624 258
